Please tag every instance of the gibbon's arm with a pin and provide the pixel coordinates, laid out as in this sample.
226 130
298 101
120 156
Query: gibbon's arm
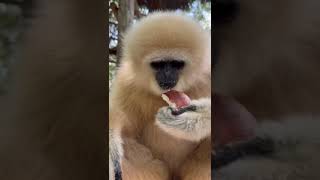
287 150
115 154
115 144
194 124
119 126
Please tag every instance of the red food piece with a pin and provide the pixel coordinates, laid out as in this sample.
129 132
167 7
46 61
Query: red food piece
178 98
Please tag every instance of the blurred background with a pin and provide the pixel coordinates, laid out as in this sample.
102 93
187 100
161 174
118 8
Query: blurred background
13 18
122 13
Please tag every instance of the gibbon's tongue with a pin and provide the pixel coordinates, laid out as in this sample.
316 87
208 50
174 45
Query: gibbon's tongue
232 121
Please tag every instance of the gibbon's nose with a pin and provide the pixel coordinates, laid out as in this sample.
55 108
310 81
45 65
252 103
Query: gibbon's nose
167 85
167 78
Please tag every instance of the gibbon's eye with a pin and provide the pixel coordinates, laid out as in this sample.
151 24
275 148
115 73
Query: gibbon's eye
175 64
158 65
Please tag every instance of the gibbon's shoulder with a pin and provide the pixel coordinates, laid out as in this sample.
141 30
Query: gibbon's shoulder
165 30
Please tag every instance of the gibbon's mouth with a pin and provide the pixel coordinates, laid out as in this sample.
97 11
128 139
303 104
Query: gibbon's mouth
232 122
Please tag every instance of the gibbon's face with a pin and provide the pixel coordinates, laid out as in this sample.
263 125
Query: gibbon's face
167 51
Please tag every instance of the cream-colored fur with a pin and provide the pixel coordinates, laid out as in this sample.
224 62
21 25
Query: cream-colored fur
150 152
191 125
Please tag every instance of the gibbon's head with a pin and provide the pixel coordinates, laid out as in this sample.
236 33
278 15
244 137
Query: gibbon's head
166 50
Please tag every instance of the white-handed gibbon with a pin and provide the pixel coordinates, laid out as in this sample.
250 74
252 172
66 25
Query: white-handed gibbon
163 51
268 60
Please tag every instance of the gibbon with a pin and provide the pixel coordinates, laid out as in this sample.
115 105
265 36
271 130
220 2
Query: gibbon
53 121
268 60
163 51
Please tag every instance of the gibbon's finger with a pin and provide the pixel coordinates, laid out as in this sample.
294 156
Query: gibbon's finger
202 105
185 121
183 110
190 125
182 122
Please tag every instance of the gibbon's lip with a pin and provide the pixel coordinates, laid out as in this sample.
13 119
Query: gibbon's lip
232 122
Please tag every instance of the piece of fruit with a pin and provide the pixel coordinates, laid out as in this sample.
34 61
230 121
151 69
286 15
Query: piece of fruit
176 99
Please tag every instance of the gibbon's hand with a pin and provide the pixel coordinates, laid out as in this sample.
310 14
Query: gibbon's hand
192 122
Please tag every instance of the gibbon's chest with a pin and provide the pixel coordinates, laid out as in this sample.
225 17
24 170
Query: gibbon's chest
165 147
148 108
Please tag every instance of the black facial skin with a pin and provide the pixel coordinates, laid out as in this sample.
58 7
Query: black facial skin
167 72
